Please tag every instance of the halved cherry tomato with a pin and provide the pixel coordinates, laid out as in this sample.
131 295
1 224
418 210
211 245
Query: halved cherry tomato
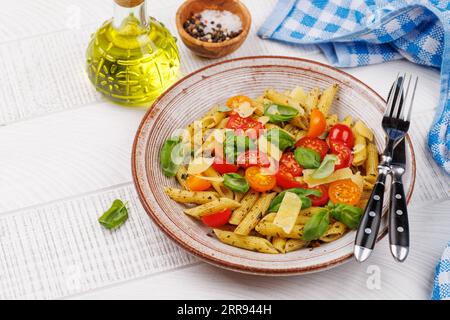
344 191
251 158
218 219
285 178
222 167
258 180
343 153
235 122
315 144
288 170
341 133
288 160
235 102
317 124
251 127
195 183
323 199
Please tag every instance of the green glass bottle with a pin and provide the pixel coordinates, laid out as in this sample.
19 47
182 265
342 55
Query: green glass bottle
132 58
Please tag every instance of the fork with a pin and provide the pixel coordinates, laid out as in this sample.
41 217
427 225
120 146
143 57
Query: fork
395 123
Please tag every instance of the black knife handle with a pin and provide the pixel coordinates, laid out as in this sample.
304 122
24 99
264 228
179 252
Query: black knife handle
370 222
398 216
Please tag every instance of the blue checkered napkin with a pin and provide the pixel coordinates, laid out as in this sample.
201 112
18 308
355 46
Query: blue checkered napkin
354 33
441 288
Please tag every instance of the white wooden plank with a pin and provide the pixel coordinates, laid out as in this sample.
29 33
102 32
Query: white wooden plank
60 249
410 280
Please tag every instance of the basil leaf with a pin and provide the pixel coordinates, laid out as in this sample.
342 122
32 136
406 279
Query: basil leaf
235 145
347 214
279 113
317 225
302 193
115 216
307 158
280 138
326 168
168 158
235 182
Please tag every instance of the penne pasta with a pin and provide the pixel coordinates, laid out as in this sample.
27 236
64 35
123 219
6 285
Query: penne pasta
295 244
359 150
300 122
361 128
371 165
256 212
348 121
271 172
245 242
326 99
218 185
283 99
212 207
279 244
184 196
312 100
270 229
334 232
332 119
246 204
182 176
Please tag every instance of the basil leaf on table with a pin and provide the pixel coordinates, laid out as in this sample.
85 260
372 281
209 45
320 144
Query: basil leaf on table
115 216
235 182
307 158
326 167
280 138
317 225
167 156
302 193
347 214
279 113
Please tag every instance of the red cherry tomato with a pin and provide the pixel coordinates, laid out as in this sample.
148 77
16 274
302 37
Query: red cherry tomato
315 144
288 170
251 127
343 153
218 219
253 158
222 167
235 122
341 133
285 179
323 199
288 160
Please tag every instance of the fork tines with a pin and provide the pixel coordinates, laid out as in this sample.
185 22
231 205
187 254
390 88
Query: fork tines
399 105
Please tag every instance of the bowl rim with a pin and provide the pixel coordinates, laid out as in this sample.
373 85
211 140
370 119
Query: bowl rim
236 266
214 45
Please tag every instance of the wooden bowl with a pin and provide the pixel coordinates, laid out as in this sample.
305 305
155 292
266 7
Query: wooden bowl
191 97
208 49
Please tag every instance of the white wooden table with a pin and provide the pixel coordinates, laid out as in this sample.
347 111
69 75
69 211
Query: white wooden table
65 155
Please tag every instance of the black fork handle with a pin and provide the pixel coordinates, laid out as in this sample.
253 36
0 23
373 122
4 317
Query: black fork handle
367 233
398 220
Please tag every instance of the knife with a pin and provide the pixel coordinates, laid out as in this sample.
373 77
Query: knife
398 213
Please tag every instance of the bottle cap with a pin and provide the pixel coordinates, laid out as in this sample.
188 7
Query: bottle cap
128 3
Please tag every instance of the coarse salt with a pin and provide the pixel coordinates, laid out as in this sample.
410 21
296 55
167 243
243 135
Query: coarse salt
229 22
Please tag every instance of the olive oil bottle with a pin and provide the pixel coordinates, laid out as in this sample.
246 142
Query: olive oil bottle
132 58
